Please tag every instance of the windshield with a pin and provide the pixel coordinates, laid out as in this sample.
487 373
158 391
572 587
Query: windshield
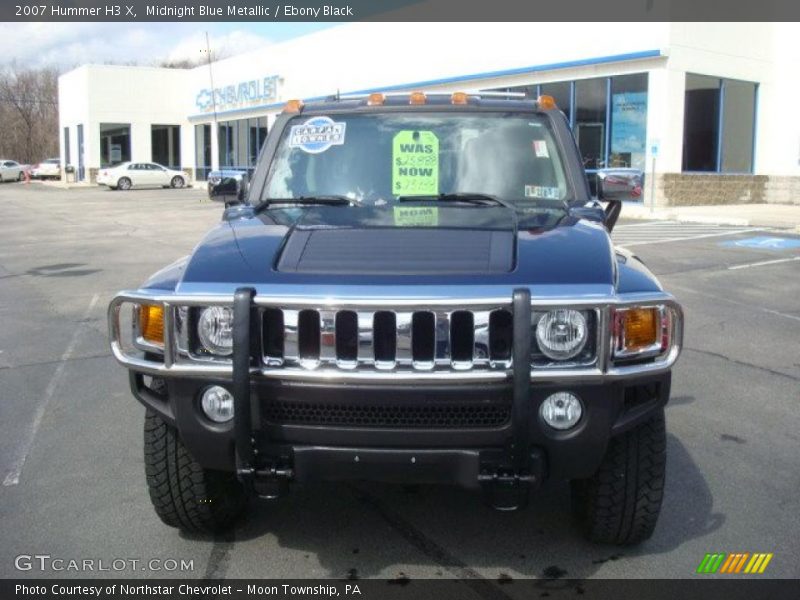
382 158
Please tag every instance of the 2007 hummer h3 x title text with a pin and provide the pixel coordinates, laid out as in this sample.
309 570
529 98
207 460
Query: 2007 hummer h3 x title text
413 288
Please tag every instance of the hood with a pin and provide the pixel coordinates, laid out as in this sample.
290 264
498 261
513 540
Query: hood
390 246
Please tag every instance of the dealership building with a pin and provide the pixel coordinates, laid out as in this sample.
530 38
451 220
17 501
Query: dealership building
703 109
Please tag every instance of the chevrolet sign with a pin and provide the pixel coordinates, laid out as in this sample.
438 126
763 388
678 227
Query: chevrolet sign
245 93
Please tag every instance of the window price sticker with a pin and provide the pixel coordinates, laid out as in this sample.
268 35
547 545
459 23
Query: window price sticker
415 163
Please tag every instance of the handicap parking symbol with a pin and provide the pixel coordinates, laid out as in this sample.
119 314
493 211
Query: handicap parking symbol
764 243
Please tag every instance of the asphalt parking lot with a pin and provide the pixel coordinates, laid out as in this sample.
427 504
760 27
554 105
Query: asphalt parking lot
71 433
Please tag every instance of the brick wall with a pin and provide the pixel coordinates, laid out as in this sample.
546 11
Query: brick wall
694 189
783 190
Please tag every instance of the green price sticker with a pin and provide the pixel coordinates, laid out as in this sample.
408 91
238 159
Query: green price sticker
416 216
415 163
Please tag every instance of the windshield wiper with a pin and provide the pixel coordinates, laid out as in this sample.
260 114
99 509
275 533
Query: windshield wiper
466 197
328 200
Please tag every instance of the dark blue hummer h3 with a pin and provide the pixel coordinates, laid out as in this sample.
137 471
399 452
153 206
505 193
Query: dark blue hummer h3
411 288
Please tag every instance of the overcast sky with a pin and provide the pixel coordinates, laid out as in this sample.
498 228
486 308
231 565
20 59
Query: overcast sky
67 45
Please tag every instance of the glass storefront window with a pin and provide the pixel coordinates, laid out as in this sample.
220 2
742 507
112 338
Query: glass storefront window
67 159
738 126
166 145
226 139
701 123
590 121
561 93
240 142
258 133
628 121
718 142
115 143
242 138
202 149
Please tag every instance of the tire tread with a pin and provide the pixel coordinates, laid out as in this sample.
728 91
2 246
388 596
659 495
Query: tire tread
620 504
183 493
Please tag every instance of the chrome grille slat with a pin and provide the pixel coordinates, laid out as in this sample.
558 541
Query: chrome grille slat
291 340
480 343
363 354
403 355
366 346
327 336
442 354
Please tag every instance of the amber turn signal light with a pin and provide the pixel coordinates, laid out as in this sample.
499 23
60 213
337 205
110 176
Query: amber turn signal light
376 99
546 102
639 328
151 323
417 98
458 98
293 106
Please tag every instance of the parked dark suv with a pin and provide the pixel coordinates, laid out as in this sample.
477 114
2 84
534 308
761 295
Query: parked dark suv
412 288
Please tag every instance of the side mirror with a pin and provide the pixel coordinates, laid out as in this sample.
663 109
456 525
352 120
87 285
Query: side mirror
230 187
614 186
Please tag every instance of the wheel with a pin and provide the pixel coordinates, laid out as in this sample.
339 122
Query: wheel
620 503
124 184
177 182
184 494
20 176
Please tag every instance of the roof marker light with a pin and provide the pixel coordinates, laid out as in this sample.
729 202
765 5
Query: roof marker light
417 98
546 102
458 98
293 106
376 99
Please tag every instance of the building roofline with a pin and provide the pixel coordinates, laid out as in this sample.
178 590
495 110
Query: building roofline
629 56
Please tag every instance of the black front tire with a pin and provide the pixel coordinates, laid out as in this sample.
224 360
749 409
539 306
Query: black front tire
183 493
621 502
177 182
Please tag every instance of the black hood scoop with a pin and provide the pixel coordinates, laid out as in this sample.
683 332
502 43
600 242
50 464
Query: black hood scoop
399 251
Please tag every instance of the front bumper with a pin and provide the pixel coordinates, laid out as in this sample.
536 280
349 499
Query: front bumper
377 450
519 448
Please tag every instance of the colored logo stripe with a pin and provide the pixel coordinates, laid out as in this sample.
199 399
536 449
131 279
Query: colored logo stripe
721 562
710 563
758 563
735 562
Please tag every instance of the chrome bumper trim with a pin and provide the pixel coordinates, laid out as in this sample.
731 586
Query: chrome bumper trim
173 366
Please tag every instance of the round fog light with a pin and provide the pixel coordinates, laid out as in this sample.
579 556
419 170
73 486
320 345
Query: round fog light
217 404
561 411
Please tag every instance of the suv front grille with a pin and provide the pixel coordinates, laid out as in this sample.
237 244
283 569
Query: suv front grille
434 415
435 339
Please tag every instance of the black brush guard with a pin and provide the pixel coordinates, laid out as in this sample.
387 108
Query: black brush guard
505 476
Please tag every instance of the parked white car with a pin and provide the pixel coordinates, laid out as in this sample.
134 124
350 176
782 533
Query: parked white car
11 170
140 174
47 169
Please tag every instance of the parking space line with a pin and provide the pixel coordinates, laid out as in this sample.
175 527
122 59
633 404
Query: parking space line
763 263
737 303
687 238
12 478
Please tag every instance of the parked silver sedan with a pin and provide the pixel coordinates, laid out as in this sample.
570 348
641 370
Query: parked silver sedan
11 170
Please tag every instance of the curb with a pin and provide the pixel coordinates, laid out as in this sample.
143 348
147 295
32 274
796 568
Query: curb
670 216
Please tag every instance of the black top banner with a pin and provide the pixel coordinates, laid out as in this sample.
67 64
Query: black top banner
400 10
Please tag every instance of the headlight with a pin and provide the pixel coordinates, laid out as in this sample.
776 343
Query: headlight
562 334
215 330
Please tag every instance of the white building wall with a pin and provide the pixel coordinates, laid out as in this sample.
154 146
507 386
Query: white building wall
136 96
461 56
360 56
